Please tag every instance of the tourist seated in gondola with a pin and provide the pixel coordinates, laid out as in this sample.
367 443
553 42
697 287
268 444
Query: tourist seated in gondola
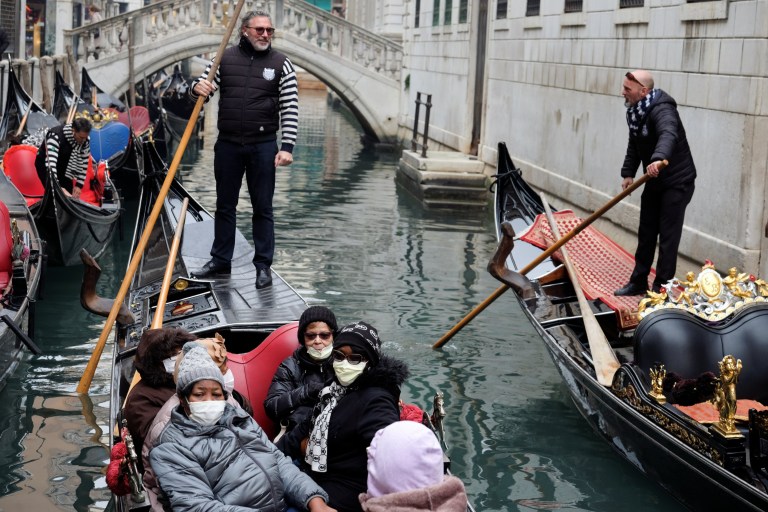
66 149
298 380
361 400
214 456
406 473
218 354
155 359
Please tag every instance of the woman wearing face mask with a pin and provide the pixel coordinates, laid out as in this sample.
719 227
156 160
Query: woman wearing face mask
218 354
300 377
155 361
361 400
214 456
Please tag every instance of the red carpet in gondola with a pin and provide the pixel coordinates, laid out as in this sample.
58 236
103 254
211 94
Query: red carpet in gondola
603 265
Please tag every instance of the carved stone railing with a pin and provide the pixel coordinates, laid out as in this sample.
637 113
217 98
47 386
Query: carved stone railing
149 25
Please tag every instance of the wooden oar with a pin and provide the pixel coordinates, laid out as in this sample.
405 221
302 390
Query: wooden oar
90 369
603 356
24 119
541 257
157 322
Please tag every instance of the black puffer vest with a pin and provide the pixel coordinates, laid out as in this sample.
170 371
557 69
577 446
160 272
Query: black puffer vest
249 101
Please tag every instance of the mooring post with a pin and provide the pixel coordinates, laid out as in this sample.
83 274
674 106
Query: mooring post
414 139
426 127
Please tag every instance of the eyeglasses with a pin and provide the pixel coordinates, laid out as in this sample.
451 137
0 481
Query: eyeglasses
339 356
632 78
261 30
325 336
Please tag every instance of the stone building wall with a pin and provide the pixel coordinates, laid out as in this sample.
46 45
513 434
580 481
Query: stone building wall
552 92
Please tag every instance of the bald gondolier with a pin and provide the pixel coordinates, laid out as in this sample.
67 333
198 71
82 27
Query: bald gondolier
656 133
259 95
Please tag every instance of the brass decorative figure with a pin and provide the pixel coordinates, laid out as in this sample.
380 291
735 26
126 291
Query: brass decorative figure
658 373
733 281
725 397
653 299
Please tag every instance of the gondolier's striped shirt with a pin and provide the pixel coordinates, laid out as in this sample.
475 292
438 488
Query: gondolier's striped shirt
288 99
77 166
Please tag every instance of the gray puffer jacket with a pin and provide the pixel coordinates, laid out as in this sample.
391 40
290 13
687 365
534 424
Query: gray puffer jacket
230 466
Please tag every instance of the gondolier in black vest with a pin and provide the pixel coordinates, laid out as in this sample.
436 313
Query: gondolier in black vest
259 95
656 133
66 149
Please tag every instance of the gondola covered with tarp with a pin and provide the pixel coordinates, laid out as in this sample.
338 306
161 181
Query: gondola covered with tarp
22 111
687 387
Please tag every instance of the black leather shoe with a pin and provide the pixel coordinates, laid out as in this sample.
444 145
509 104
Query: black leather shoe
212 269
263 278
630 289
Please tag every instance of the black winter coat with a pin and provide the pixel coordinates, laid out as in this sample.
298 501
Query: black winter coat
295 387
661 137
370 404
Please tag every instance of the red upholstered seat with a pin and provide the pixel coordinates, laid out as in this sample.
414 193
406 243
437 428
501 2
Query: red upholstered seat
6 244
254 370
19 166
137 118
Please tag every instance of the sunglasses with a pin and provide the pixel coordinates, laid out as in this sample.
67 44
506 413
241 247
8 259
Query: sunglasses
339 356
261 30
632 78
325 336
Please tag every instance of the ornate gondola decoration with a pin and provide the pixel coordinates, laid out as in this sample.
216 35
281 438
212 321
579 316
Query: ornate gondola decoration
708 295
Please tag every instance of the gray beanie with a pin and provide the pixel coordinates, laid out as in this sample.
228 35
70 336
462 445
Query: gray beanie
196 365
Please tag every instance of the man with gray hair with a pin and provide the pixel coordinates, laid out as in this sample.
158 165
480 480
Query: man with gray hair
259 95
656 135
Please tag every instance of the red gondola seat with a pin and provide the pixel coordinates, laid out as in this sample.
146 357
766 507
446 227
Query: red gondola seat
254 370
19 166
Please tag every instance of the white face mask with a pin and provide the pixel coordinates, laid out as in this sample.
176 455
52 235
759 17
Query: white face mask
229 381
347 372
320 355
207 412
170 364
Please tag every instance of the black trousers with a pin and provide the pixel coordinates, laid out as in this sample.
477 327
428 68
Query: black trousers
257 162
662 212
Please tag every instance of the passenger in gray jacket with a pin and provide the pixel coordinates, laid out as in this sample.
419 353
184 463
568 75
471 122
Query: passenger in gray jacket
214 457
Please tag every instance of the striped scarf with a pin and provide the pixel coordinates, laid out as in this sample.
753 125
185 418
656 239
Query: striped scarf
78 159
317 447
637 112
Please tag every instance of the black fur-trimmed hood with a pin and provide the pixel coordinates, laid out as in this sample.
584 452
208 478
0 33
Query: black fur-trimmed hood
390 373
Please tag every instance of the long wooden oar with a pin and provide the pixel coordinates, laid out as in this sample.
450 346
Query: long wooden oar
90 369
157 321
541 257
603 356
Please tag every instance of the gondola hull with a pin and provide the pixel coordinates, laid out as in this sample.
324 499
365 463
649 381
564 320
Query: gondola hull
683 456
18 312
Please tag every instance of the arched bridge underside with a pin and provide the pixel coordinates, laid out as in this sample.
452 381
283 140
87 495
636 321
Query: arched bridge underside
361 67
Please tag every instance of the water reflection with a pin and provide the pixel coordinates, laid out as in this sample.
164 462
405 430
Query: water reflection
348 237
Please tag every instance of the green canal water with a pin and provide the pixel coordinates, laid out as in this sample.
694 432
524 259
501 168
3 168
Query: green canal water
349 237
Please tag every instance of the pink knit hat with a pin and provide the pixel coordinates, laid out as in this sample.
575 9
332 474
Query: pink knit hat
403 456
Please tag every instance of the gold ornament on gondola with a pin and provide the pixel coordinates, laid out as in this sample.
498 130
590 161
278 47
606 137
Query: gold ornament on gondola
707 295
658 373
725 397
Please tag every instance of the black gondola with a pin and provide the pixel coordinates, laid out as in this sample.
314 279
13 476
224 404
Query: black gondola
20 276
18 104
667 431
259 326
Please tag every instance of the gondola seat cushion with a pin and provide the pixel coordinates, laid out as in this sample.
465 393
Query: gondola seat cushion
254 370
109 139
689 346
19 166
6 244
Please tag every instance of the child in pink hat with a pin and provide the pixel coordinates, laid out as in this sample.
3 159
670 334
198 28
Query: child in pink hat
405 473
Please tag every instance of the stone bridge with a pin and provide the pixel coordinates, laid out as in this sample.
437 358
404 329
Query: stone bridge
361 67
